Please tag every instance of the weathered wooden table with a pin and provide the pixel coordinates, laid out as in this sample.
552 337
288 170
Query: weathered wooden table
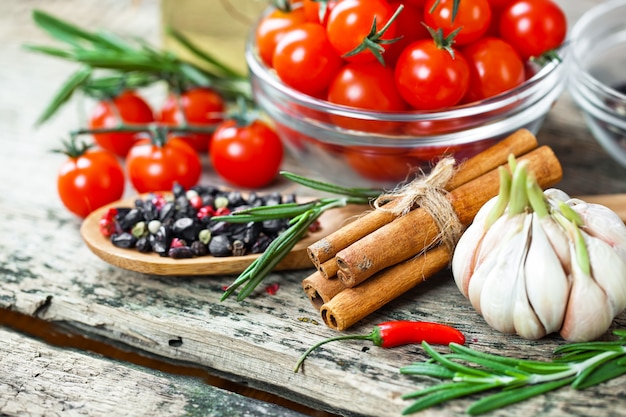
63 300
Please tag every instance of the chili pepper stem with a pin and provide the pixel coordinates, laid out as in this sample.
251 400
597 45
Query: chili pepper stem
332 339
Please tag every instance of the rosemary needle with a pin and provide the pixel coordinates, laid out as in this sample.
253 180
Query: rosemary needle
301 215
468 371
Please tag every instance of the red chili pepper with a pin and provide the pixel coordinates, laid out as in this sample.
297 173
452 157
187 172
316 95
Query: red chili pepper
397 333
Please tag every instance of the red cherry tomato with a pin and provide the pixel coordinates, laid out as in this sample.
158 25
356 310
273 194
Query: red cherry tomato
89 180
271 29
429 77
318 11
533 27
152 167
381 164
368 86
409 28
495 67
414 3
247 156
473 17
350 23
305 61
201 107
131 109
498 4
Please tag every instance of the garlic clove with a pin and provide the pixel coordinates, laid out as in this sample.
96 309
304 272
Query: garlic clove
547 286
525 320
603 223
558 239
497 297
485 257
588 314
464 256
555 195
477 282
463 260
608 270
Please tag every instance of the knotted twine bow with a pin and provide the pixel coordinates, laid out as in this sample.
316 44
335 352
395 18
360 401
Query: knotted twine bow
428 192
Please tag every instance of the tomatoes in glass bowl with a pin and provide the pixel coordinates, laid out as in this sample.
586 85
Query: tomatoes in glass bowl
354 137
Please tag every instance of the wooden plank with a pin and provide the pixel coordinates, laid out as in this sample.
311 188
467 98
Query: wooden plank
38 379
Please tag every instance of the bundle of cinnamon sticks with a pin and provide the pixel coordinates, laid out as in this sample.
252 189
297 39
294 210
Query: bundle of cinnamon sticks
381 255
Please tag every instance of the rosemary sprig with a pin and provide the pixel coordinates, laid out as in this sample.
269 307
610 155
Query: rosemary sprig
580 365
301 215
129 64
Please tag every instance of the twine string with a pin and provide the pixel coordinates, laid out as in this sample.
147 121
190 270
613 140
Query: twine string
428 192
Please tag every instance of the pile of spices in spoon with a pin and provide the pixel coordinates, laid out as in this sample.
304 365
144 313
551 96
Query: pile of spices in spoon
185 224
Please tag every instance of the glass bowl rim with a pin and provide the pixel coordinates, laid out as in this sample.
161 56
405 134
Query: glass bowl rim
259 69
577 69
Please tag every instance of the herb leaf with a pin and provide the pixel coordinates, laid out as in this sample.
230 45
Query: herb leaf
581 365
301 215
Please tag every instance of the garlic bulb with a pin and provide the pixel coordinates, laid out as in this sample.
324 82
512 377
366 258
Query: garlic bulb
537 262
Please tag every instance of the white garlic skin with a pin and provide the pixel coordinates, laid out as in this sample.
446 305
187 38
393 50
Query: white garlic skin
547 285
603 223
547 291
589 313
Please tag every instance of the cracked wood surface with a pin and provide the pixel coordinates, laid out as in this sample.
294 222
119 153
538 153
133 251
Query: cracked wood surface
38 379
48 272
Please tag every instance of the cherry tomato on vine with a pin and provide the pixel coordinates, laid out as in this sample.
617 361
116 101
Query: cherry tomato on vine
128 108
533 27
473 18
305 61
350 23
198 107
409 28
89 179
430 76
318 11
156 167
271 29
246 155
495 67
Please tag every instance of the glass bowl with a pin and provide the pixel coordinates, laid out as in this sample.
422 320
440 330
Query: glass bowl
363 148
597 77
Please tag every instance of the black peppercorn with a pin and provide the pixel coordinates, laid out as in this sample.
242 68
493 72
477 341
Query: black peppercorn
220 246
180 252
131 218
123 240
186 228
162 240
198 248
143 244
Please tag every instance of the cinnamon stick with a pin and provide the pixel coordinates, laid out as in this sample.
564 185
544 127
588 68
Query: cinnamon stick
320 289
410 234
518 144
353 304
328 269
